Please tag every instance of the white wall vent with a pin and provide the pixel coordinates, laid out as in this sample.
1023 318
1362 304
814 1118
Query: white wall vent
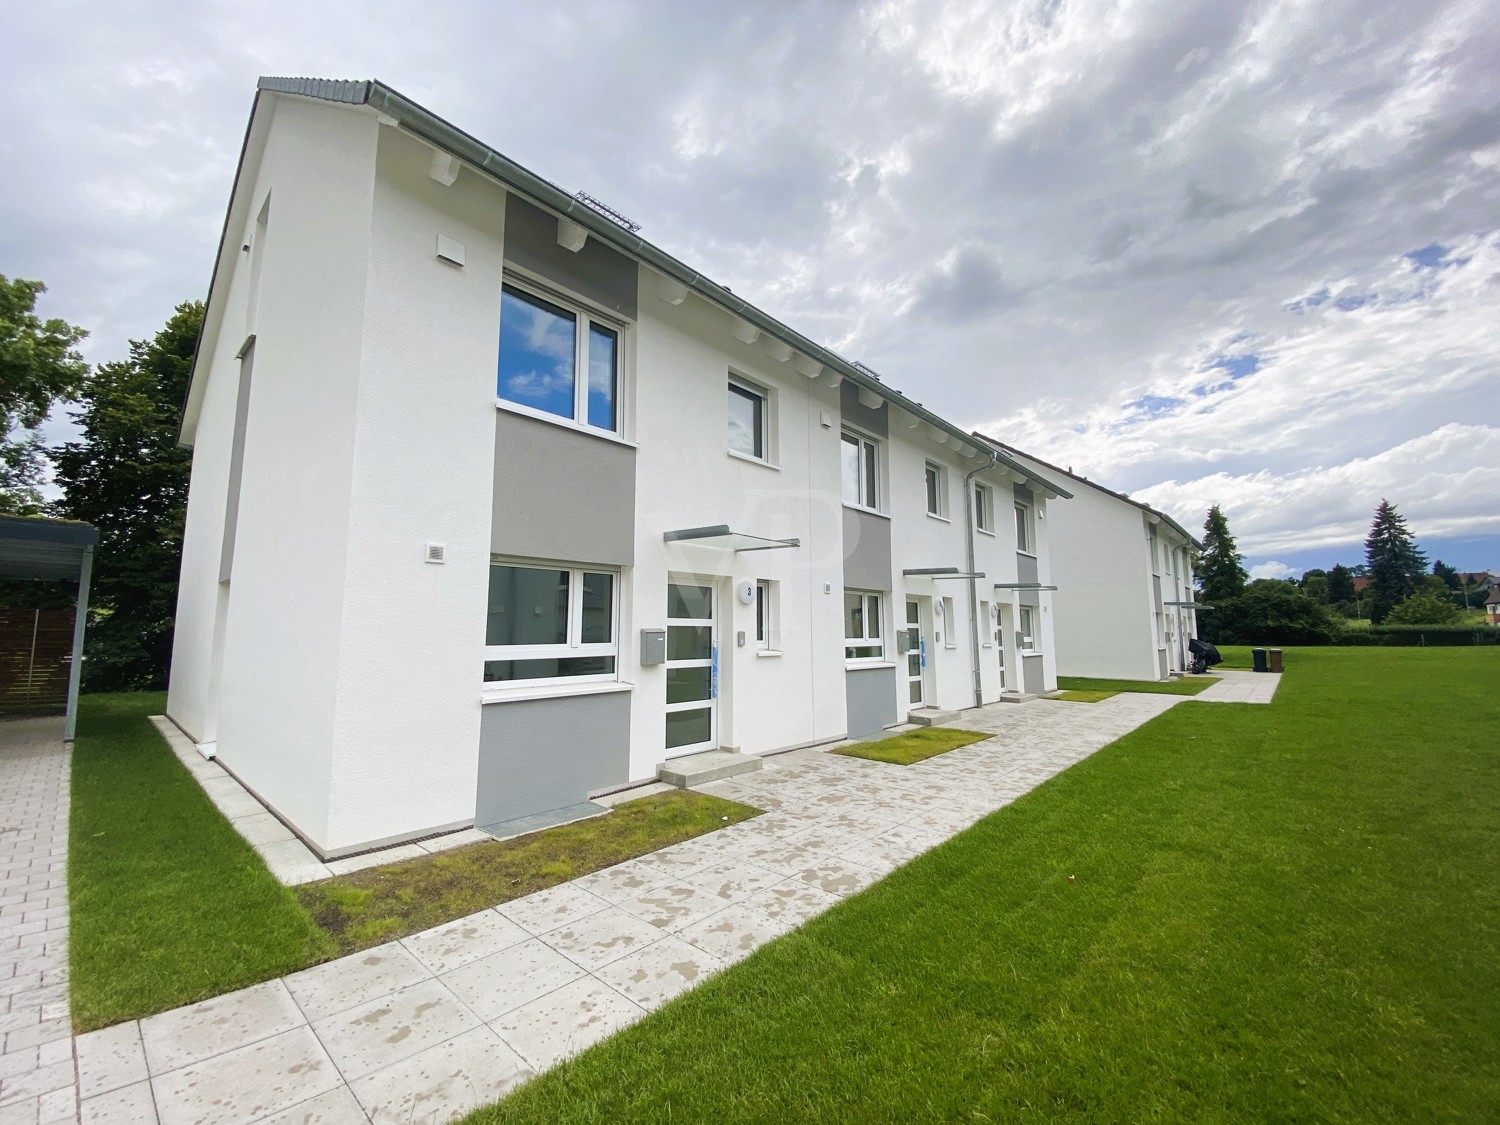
437 552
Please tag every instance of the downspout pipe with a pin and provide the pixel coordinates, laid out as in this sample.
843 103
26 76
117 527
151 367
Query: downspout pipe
973 567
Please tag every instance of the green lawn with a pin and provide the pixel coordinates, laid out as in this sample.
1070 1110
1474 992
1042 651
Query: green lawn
383 903
1236 913
1189 686
912 746
1076 695
168 903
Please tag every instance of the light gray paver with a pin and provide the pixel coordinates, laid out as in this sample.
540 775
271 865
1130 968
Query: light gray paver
1235 686
427 1028
37 1075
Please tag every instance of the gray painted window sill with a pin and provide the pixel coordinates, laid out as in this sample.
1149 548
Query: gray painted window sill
551 691
563 423
762 462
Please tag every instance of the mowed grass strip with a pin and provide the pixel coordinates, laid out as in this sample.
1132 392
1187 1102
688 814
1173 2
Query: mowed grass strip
912 746
384 903
1236 913
1075 696
168 903
1190 686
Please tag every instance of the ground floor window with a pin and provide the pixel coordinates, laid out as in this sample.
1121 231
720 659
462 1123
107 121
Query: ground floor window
862 633
550 623
1026 635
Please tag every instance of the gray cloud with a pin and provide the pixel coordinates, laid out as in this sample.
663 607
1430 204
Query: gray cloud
1029 215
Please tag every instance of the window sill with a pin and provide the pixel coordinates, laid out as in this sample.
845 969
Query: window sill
866 511
767 653
520 692
1028 554
985 531
940 519
1031 654
867 665
761 461
562 423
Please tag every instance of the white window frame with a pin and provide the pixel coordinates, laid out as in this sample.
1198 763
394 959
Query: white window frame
933 468
767 426
573 647
765 616
867 641
950 623
587 315
1025 530
984 508
869 469
1026 637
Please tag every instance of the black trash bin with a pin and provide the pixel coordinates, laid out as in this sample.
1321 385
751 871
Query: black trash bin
1262 664
1275 655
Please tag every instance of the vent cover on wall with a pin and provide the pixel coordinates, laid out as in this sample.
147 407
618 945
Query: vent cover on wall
436 552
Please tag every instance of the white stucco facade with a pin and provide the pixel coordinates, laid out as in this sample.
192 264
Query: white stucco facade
1124 576
345 424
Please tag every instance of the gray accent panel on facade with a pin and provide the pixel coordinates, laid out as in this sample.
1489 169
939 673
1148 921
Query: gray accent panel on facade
541 754
867 551
1026 568
595 272
872 421
1033 675
870 694
1024 495
561 494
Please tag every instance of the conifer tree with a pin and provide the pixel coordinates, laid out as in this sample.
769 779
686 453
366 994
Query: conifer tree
1220 575
1396 565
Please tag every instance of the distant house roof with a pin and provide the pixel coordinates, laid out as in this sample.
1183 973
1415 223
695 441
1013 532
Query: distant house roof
1493 597
1051 468
1361 584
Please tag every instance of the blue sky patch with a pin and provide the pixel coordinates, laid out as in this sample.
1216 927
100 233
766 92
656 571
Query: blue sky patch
1429 257
1152 406
1354 301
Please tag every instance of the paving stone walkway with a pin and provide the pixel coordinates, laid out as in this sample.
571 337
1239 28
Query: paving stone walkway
426 1028
36 1066
1241 687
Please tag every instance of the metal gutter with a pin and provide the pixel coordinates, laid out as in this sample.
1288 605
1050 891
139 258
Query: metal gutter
448 137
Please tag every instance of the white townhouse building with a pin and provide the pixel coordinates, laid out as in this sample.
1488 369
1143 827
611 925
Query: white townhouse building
1124 574
496 506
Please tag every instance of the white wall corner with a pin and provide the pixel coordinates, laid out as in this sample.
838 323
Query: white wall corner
571 235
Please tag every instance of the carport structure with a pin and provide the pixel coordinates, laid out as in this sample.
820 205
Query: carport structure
49 550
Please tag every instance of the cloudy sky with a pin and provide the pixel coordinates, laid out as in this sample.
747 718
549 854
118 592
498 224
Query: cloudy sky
1244 253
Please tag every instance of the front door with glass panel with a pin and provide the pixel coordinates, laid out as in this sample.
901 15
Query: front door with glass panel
916 653
692 669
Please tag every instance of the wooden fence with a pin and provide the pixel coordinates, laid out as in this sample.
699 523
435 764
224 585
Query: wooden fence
35 646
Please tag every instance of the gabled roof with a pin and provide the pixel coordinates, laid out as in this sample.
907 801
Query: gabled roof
446 137
1177 527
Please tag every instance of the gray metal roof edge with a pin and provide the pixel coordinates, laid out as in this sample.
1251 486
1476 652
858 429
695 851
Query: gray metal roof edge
1003 458
48 530
1107 491
447 136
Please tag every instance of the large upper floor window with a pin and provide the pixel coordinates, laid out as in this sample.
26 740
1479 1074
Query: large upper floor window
550 623
558 360
1024 542
862 635
861 470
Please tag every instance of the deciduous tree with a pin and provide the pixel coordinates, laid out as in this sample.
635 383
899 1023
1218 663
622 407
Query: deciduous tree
39 364
129 479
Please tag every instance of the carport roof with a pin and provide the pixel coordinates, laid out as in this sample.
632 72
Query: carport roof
48 549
